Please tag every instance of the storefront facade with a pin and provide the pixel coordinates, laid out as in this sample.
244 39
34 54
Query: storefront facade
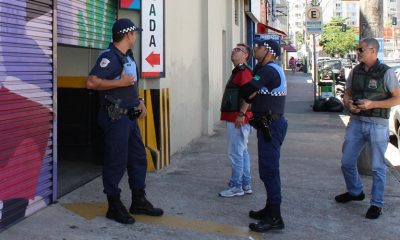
48 118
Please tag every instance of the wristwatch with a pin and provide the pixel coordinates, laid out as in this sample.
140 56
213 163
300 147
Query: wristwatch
141 99
242 114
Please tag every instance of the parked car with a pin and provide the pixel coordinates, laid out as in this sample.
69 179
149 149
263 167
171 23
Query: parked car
346 63
395 65
335 65
390 60
397 71
320 59
394 123
394 118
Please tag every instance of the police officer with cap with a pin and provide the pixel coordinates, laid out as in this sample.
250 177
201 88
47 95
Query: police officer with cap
267 92
115 76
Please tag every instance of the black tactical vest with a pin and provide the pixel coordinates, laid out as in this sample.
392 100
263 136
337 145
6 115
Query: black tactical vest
231 101
270 101
128 95
371 85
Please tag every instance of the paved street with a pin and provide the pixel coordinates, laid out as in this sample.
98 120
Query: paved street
188 189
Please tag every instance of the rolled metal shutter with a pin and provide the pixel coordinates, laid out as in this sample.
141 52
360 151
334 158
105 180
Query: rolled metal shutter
26 102
85 23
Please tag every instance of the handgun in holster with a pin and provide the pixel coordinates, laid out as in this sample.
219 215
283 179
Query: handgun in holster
113 108
263 124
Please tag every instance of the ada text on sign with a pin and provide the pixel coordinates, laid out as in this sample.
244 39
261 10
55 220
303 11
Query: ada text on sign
153 39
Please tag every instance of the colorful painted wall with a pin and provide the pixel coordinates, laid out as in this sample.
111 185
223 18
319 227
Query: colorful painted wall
85 23
183 105
26 100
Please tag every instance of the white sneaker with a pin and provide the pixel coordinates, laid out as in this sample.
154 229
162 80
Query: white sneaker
231 192
247 189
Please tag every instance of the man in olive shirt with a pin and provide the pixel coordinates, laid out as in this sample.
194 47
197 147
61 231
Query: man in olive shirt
371 90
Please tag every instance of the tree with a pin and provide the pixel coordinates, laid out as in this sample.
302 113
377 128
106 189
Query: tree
371 25
299 39
371 18
336 41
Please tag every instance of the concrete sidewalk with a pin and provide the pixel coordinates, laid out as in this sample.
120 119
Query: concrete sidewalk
188 189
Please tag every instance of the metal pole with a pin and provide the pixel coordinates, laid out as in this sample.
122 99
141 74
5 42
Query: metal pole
315 66
394 42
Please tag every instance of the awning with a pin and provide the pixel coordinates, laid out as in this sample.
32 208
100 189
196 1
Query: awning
289 48
262 28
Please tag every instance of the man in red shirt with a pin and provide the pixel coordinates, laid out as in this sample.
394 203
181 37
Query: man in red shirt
234 110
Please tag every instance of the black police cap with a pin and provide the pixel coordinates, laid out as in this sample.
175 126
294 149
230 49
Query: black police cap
124 25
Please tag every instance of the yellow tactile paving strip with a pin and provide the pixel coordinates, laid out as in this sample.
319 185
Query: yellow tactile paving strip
92 210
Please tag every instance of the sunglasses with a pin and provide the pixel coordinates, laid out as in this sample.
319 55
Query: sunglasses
236 49
361 50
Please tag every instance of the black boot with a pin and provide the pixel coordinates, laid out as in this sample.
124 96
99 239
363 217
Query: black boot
266 224
140 205
117 211
260 214
272 221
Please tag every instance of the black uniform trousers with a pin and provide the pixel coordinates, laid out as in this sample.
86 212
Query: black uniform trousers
268 159
123 149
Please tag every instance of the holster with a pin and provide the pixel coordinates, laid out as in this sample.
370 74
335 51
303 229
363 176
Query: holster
113 108
262 124
115 111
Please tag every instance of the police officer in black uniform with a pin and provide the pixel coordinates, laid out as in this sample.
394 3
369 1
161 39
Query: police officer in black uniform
115 76
267 93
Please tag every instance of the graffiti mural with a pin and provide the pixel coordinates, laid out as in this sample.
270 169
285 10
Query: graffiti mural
85 23
25 109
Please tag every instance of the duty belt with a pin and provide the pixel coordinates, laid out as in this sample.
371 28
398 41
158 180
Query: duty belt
115 111
274 116
263 124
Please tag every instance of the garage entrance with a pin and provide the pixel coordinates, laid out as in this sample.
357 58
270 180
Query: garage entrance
79 139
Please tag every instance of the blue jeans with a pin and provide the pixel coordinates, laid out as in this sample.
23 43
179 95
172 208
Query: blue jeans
269 154
357 134
238 154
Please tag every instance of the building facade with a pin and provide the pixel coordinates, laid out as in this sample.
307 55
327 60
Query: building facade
48 118
350 11
391 15
296 21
